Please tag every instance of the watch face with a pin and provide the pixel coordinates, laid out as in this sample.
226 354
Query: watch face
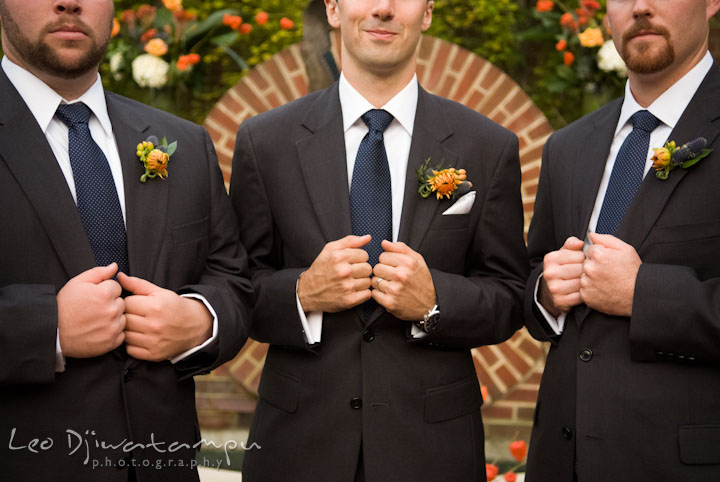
431 322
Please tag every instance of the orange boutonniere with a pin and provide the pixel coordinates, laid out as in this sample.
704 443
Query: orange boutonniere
155 156
670 156
445 183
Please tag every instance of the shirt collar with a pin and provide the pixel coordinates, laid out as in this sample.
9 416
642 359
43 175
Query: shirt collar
402 107
673 102
43 101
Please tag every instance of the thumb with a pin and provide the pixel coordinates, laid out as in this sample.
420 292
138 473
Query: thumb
352 242
98 274
574 244
136 286
398 247
607 240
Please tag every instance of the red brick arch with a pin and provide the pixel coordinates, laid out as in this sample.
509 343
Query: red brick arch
511 371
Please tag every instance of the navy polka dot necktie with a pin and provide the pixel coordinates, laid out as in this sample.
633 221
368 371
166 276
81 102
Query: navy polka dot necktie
370 190
627 173
97 199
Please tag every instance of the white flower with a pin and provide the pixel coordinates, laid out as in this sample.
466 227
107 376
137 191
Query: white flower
609 60
150 71
116 62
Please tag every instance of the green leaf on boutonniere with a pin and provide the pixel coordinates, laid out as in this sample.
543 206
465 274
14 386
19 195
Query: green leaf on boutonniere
668 157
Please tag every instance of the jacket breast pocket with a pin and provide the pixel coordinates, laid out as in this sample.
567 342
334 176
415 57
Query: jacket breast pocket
450 222
685 232
700 444
279 389
189 232
452 401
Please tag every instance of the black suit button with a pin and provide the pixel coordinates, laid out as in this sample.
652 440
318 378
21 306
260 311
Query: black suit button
356 403
368 335
127 375
567 433
586 354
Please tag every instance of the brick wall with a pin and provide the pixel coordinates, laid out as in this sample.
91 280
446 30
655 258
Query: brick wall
512 370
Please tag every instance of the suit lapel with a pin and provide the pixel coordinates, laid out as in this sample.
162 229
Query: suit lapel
145 203
36 169
429 131
653 195
323 164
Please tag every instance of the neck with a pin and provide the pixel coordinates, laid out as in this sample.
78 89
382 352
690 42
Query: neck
646 88
67 88
378 89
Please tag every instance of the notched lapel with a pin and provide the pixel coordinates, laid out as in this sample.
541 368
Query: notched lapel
146 204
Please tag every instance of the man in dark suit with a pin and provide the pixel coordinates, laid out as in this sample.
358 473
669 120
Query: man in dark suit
369 374
96 385
630 387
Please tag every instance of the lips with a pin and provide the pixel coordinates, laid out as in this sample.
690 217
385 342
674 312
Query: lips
68 32
381 34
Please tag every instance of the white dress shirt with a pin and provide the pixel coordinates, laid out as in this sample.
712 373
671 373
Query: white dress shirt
43 102
397 137
668 108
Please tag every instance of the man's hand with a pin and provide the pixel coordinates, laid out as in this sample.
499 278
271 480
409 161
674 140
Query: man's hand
160 323
339 278
406 289
609 274
559 287
90 313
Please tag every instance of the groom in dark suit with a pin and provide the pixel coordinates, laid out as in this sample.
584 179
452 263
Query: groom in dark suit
630 389
370 295
96 384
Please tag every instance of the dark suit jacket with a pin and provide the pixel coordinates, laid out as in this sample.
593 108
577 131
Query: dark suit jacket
634 398
182 235
413 404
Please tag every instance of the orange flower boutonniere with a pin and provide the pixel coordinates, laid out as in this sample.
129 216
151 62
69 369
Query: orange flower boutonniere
445 183
670 156
155 156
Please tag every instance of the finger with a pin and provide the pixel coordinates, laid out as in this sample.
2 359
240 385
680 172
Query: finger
398 247
137 286
355 255
138 340
361 270
139 353
384 271
573 243
136 323
98 274
563 271
561 288
111 287
608 241
393 259
383 299
349 242
359 297
564 303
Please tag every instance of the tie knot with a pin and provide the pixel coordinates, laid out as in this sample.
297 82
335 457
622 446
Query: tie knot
73 114
377 120
645 121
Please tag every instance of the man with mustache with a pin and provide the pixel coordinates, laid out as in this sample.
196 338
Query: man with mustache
626 279
113 292
369 294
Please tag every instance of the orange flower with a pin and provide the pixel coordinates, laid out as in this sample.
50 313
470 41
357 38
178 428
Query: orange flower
568 21
245 28
661 158
156 47
186 61
128 16
510 477
591 37
444 182
568 58
172 4
148 35
286 23
484 392
157 162
561 45
184 15
145 10
262 18
591 4
232 21
491 471
518 449
116 28
544 5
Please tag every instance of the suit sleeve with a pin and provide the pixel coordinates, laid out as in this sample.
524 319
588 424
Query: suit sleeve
28 331
484 306
541 240
275 318
676 316
224 282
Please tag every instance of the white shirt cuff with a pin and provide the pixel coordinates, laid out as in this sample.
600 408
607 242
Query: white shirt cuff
186 354
556 324
311 322
59 358
416 332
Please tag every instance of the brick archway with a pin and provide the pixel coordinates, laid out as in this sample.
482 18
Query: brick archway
512 370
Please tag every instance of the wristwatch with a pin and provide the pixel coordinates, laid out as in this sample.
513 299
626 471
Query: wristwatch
430 320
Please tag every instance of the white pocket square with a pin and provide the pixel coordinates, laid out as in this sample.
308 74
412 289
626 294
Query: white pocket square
462 205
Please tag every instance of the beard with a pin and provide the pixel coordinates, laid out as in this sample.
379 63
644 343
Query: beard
44 57
643 58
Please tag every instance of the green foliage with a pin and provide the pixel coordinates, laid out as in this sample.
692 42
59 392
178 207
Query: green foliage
485 27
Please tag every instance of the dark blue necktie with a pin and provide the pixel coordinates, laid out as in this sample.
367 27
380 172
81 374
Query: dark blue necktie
370 191
97 199
627 173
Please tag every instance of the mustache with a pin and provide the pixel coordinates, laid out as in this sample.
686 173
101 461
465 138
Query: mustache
643 26
67 22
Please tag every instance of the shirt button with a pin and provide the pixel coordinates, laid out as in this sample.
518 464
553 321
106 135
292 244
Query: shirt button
368 335
586 354
356 403
567 433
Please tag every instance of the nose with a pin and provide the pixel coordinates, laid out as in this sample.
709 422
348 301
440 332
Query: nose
384 9
71 7
642 8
